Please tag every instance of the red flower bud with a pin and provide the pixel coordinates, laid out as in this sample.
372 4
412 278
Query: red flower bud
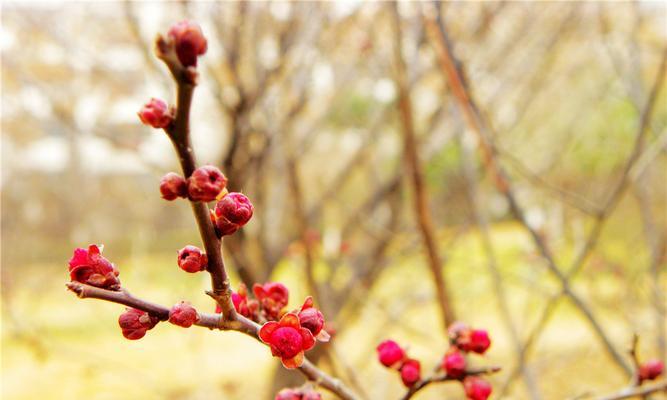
312 319
192 259
650 370
410 372
477 341
134 323
206 183
298 394
311 395
273 297
476 388
232 212
390 353
454 363
289 394
457 329
287 339
155 113
189 42
173 186
183 314
89 267
243 306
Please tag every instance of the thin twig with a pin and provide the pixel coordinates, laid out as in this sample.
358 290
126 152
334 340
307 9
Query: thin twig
445 378
211 321
637 391
422 212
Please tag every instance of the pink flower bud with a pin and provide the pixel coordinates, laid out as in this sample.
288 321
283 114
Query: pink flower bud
206 183
189 42
390 353
287 339
312 319
89 267
311 395
155 113
183 314
650 370
289 394
273 297
192 259
173 186
410 372
478 341
454 364
232 212
476 388
134 323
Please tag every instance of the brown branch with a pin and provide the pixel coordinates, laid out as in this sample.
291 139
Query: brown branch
422 212
452 71
636 391
211 321
610 204
179 133
445 378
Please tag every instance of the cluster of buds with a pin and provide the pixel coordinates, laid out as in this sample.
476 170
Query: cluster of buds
650 370
248 307
393 356
207 183
465 340
90 267
303 393
288 334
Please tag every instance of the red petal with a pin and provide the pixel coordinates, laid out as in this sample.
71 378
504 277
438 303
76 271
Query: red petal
267 330
308 339
290 320
93 250
308 303
258 290
80 257
294 362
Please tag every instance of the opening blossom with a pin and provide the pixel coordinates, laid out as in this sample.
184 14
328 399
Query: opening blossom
134 323
650 370
156 113
298 394
467 339
173 186
273 296
454 364
192 259
89 267
390 353
312 319
232 212
206 183
189 42
287 339
410 372
183 314
243 306
476 388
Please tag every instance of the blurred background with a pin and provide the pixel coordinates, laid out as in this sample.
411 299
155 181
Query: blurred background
300 105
